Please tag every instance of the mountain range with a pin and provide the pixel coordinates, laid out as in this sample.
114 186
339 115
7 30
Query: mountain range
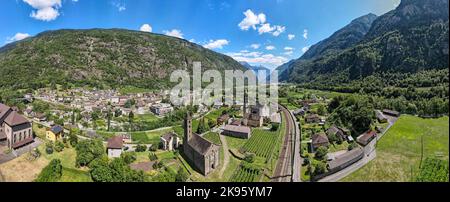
409 39
103 58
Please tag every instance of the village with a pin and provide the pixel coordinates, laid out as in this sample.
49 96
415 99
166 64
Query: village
197 142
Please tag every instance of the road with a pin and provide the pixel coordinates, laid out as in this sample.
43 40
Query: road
284 167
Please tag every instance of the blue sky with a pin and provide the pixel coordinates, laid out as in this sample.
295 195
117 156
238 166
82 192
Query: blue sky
267 32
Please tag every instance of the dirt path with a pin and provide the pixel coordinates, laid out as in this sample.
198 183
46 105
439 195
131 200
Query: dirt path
226 155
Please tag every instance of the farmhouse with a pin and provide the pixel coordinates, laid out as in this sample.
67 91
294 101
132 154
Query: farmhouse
365 138
114 147
391 112
201 153
381 118
223 119
15 129
55 133
333 130
170 141
312 118
237 131
319 140
161 109
345 160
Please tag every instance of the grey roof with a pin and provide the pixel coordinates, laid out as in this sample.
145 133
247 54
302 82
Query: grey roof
239 129
57 129
345 158
200 144
168 136
319 138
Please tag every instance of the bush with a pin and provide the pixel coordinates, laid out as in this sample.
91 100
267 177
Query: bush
182 175
152 156
141 148
352 146
154 148
128 157
59 146
49 148
321 153
51 173
275 126
250 158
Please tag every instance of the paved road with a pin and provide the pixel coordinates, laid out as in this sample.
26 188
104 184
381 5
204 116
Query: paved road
226 154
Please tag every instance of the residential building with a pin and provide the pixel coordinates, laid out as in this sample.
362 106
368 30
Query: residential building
312 118
243 132
170 141
115 146
55 133
15 129
161 109
319 140
365 138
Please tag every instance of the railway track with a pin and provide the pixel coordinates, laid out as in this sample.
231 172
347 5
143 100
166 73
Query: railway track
283 170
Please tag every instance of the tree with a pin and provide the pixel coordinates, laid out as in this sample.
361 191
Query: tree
321 110
275 126
51 173
130 119
352 146
202 126
152 156
73 138
49 148
73 117
321 153
141 148
59 146
182 175
88 150
319 168
108 117
117 112
128 157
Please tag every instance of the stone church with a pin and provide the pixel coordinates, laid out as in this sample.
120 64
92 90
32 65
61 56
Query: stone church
200 153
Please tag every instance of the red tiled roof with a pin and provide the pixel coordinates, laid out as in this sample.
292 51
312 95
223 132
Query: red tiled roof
115 142
15 119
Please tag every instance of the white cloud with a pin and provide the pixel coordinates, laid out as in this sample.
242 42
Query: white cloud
270 48
289 53
174 33
255 46
306 48
258 22
287 48
120 6
216 44
269 60
146 28
265 28
291 36
45 10
305 34
274 30
251 20
279 30
19 36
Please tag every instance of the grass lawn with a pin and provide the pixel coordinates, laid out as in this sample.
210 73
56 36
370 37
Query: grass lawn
74 175
213 137
399 151
338 147
145 118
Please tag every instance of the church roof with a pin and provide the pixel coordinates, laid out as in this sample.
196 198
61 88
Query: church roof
200 144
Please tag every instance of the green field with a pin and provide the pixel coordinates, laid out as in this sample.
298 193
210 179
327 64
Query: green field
74 175
245 174
399 151
213 137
